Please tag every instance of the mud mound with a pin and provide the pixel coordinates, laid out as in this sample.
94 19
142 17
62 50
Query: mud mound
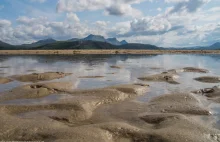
79 107
177 103
163 77
37 77
179 128
156 118
4 80
197 70
208 79
211 93
35 91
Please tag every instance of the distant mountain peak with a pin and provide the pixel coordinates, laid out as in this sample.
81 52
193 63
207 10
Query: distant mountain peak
91 35
113 41
95 38
4 44
124 42
216 44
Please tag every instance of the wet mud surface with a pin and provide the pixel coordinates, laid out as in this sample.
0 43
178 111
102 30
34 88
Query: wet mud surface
49 106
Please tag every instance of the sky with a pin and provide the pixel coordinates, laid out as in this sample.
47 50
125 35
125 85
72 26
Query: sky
164 23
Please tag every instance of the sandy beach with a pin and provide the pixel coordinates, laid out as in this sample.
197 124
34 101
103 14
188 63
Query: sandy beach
70 52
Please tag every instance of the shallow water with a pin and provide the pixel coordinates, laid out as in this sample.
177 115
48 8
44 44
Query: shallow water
132 67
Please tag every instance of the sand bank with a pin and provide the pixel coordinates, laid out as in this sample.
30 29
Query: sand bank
45 52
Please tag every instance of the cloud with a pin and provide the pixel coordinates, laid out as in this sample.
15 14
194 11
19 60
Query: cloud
214 9
189 6
4 23
159 9
6 31
40 1
72 17
32 29
174 1
119 29
190 36
31 21
101 23
113 7
122 9
149 26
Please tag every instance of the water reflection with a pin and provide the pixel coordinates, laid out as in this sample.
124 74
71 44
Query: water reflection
133 66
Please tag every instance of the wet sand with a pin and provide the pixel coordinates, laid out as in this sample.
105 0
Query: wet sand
106 114
99 115
45 52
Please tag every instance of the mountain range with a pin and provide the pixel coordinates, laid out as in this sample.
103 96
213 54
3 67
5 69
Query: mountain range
215 46
100 38
93 42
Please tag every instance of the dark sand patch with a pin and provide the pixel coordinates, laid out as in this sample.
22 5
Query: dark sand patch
156 118
208 79
197 70
156 68
91 76
188 69
163 77
31 70
89 69
37 77
111 73
116 67
141 84
4 67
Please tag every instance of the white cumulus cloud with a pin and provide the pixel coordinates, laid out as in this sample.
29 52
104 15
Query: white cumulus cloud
111 7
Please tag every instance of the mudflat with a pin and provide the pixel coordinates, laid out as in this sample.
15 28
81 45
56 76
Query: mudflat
49 107
45 52
164 118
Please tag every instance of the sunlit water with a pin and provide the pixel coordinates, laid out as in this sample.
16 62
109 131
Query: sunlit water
133 66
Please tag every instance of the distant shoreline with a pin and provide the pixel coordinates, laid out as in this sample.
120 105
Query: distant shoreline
73 52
